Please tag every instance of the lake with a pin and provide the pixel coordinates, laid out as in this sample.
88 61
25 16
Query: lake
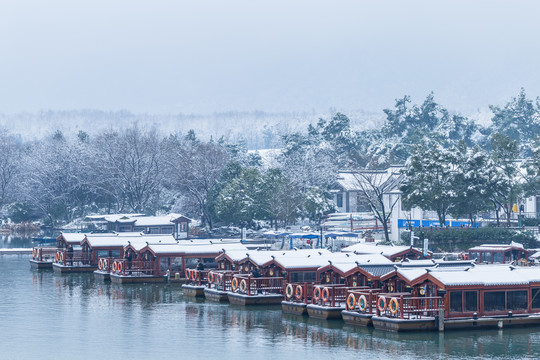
48 316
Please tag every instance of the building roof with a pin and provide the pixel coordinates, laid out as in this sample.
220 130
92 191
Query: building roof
386 250
185 248
73 238
138 240
356 180
497 247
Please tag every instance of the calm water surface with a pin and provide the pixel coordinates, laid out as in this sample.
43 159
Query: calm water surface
49 316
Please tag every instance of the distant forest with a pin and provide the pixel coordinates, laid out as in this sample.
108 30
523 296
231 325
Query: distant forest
202 167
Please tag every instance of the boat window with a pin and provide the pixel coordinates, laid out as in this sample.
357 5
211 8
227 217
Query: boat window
471 301
498 257
310 276
176 264
339 200
164 264
516 300
192 262
507 257
494 301
486 257
535 300
456 302
154 230
103 253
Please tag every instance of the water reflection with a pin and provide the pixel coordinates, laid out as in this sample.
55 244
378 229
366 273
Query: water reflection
74 310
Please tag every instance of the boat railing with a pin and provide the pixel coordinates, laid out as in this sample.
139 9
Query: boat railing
407 307
252 286
44 254
220 279
105 264
362 300
332 295
72 258
301 293
196 277
125 267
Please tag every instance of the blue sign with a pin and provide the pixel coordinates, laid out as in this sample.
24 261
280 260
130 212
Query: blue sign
405 223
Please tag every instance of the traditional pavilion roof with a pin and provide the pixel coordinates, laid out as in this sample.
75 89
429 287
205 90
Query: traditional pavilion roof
123 239
386 250
497 247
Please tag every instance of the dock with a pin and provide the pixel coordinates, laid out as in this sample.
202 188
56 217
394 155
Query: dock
16 251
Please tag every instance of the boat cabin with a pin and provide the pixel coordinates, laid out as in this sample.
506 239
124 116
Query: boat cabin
498 254
394 253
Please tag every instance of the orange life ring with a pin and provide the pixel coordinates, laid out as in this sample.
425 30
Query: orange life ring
246 268
271 272
390 288
194 275
100 264
325 294
393 305
114 266
354 283
243 286
351 302
188 274
299 292
57 257
234 284
61 257
381 303
34 253
120 267
289 291
316 293
422 291
210 278
362 302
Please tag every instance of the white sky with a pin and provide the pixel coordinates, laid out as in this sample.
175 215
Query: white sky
203 56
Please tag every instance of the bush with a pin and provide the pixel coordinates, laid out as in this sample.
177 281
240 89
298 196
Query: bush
459 239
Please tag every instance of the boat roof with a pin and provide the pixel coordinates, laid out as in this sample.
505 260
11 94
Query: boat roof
73 238
181 248
486 275
121 239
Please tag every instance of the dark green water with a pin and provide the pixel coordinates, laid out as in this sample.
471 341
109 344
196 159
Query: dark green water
49 316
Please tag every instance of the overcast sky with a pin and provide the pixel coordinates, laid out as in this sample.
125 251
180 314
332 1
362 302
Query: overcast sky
203 56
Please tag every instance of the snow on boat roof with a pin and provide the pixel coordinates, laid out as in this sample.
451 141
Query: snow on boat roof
487 275
73 238
347 264
385 250
188 249
305 235
276 233
412 273
115 240
157 220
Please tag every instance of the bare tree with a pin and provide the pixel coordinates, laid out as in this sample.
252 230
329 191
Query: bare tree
375 189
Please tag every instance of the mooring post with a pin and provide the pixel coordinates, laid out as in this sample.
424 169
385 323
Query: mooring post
441 320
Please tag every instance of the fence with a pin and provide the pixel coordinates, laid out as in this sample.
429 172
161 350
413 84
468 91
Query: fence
44 254
251 286
406 307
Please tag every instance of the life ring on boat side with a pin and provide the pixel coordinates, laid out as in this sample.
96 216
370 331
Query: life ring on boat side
61 257
57 257
422 291
243 286
194 275
220 279
390 288
289 291
299 292
100 264
351 302
120 267
234 284
354 283
188 274
393 305
34 253
325 294
114 266
381 303
271 272
210 277
362 302
316 293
